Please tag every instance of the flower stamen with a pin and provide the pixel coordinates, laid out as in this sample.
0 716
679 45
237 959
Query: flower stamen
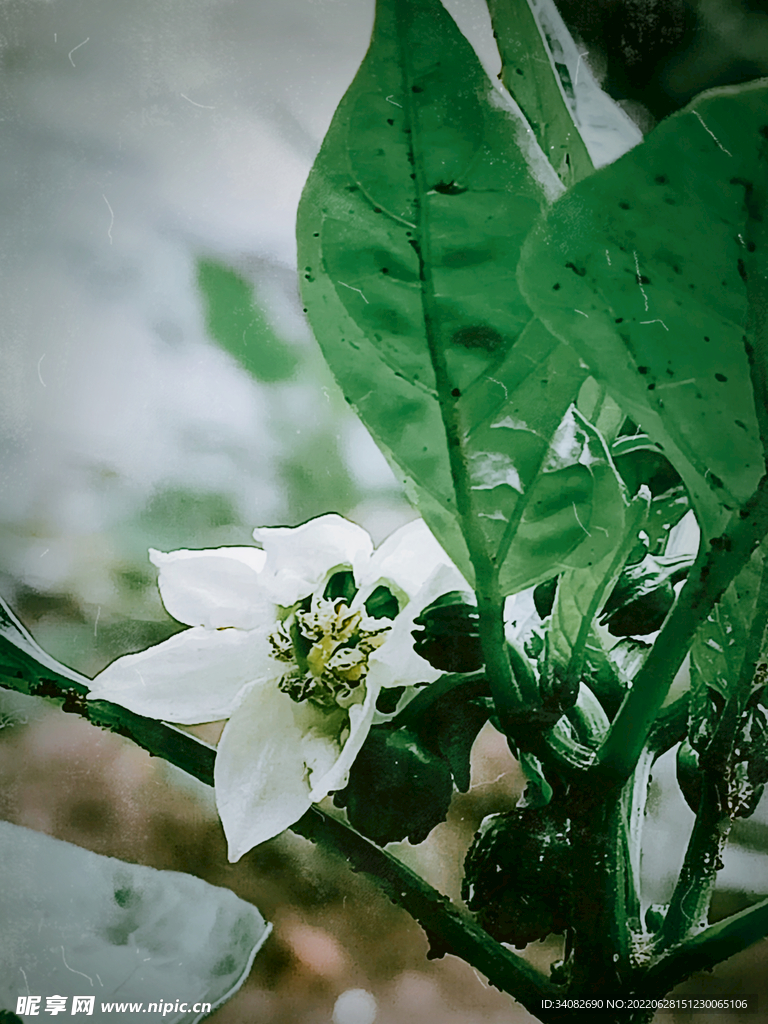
327 647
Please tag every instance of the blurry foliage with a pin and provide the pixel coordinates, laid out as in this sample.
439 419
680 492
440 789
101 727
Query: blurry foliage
237 323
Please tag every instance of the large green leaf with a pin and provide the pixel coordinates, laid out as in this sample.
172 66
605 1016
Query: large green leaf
409 233
643 268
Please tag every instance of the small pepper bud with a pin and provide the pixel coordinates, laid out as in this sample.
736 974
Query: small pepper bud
449 638
517 878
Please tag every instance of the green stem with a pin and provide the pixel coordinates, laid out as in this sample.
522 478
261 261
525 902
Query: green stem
690 901
601 963
449 929
708 580
711 946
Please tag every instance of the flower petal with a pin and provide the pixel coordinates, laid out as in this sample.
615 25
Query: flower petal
360 720
276 758
263 765
396 663
216 587
196 676
300 558
406 559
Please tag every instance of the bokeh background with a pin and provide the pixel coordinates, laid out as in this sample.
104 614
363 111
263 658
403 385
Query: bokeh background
152 156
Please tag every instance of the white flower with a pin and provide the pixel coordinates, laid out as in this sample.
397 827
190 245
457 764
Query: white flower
292 644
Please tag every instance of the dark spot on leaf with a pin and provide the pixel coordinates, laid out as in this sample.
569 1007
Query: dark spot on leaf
619 320
315 234
651 387
706 338
377 209
661 179
456 393
478 336
670 201
624 206
715 480
416 88
555 287
390 120
741 269
352 188
676 269
384 270
449 188
642 369
764 130
580 271
721 377
643 279
751 246
518 71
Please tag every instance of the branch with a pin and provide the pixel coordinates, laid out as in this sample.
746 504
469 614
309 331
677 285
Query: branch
690 901
702 952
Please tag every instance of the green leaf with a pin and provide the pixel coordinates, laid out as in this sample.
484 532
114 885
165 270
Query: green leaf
236 322
582 592
76 923
577 125
642 268
640 462
397 788
409 232
644 594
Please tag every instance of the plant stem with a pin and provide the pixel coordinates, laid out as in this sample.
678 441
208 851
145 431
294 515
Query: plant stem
690 901
708 580
449 929
703 951
601 962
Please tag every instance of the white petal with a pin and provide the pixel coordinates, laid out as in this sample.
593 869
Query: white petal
196 676
360 720
300 558
276 758
263 764
406 559
396 663
216 587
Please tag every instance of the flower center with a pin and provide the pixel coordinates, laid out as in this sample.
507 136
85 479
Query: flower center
327 647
